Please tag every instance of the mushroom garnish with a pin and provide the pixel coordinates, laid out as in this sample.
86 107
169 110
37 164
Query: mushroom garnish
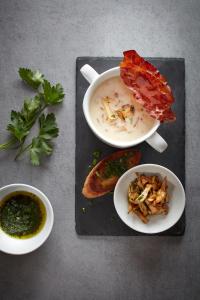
144 194
148 195
110 114
126 111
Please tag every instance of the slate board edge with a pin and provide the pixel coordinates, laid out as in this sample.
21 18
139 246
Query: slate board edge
79 58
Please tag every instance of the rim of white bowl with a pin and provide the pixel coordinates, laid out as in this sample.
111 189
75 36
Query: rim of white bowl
132 170
51 216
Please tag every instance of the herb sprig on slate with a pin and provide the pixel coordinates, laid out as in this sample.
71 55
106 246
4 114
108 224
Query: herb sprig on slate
22 121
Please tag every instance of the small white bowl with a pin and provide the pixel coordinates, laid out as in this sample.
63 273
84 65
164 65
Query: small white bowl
157 223
13 245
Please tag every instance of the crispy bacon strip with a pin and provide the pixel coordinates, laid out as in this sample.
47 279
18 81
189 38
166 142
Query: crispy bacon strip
149 87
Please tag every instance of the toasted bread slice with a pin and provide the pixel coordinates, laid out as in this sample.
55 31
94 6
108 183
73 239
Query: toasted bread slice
104 176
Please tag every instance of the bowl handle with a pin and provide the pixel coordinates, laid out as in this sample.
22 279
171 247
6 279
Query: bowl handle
89 73
157 142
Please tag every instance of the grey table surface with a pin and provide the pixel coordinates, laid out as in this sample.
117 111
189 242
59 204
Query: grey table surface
50 35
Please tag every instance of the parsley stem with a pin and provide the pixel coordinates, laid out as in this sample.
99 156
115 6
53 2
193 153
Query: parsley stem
39 113
22 150
7 144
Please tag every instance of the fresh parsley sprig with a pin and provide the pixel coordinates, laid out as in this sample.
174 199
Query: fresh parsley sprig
22 121
32 78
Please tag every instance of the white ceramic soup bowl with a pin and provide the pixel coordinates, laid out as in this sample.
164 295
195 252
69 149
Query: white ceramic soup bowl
95 79
156 223
12 245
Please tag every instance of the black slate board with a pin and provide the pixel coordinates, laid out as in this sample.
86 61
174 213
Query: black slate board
99 216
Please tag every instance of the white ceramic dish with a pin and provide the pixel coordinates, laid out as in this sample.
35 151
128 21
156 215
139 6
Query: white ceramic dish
158 223
12 245
95 79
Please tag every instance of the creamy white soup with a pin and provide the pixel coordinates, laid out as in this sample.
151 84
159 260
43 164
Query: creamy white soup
116 114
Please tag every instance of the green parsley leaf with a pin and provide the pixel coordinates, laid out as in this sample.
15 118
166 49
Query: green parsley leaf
39 147
48 127
18 127
35 152
52 94
21 122
32 78
41 144
30 108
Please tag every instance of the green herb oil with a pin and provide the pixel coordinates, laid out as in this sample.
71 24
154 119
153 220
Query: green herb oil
22 214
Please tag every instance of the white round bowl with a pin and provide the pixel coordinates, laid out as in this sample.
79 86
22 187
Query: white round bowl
156 223
13 245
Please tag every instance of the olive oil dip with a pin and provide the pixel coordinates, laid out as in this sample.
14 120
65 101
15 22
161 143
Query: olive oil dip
22 214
